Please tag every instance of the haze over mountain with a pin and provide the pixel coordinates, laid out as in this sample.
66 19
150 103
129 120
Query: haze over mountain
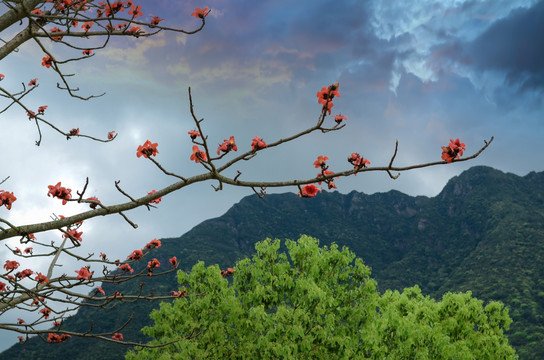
484 232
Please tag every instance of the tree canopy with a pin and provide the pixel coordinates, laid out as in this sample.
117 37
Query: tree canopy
319 303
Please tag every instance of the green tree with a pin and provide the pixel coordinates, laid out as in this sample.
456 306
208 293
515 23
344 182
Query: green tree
318 303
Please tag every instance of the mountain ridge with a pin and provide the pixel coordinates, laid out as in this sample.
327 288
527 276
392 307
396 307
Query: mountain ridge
483 232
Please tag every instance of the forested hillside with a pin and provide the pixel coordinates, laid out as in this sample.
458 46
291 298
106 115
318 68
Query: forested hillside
484 232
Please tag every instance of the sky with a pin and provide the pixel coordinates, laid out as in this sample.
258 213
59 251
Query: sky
420 72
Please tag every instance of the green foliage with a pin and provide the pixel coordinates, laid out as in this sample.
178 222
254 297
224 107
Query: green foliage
318 303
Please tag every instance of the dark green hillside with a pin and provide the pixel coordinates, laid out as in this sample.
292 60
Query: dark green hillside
484 232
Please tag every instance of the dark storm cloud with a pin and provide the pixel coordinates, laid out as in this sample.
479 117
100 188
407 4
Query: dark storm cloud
513 46
516 46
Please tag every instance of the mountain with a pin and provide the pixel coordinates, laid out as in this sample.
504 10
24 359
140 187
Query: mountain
484 232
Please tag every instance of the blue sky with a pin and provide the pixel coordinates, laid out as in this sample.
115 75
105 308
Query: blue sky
421 72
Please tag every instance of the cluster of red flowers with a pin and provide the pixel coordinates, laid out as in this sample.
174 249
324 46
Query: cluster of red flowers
453 151
147 149
321 162
23 274
60 192
325 96
7 199
47 61
57 338
257 143
126 267
117 336
152 265
136 255
42 279
46 312
198 155
228 272
227 146
358 161
73 234
181 293
84 274
153 243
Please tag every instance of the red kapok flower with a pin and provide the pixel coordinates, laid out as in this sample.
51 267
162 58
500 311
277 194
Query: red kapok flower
74 234
93 205
56 338
228 272
87 25
41 278
37 301
155 201
156 20
3 286
153 243
87 52
358 161
134 29
339 118
103 256
136 255
194 134
84 274
11 265
54 30
326 94
173 261
200 13
41 109
257 143
20 321
325 173
47 61
135 11
7 199
147 149
227 146
33 82
46 312
321 162
100 290
153 264
111 134
126 267
28 250
21 339
198 155
117 336
25 273
453 151
309 191
73 132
